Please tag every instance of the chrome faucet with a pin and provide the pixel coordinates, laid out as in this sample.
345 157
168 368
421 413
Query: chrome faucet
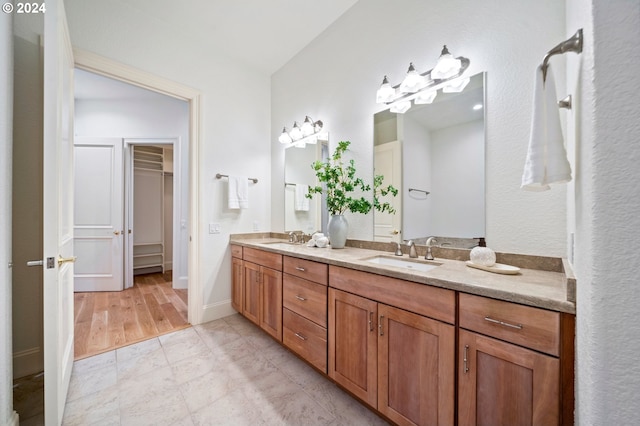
296 237
412 249
430 241
398 249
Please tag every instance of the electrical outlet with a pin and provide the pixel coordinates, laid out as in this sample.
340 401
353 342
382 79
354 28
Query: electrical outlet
214 228
256 227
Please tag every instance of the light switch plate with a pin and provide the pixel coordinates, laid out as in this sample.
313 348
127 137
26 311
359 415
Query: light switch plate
214 228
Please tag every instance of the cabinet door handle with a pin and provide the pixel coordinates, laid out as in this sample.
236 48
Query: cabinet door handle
380 328
370 321
300 268
300 298
466 358
300 336
506 324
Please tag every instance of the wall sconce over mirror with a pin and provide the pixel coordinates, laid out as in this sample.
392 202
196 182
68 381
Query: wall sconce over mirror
422 88
299 136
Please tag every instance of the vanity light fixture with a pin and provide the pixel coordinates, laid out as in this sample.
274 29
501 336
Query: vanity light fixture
301 135
422 88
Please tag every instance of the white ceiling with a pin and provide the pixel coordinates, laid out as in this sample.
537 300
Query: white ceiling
263 33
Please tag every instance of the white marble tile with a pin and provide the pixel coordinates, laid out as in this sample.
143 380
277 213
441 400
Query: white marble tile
91 381
137 350
194 366
218 335
180 337
260 340
184 346
153 388
300 372
141 361
95 362
232 351
346 409
231 410
207 389
277 354
100 407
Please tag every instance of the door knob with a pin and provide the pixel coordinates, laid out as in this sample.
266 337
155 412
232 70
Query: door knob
395 232
116 232
62 260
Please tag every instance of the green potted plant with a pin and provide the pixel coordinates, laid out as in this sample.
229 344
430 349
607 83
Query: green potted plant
340 184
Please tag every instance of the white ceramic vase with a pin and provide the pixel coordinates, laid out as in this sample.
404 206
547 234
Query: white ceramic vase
338 229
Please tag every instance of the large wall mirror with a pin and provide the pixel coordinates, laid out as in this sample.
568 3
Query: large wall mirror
435 155
300 213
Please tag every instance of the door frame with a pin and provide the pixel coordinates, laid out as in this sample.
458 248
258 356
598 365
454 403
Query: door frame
112 69
177 249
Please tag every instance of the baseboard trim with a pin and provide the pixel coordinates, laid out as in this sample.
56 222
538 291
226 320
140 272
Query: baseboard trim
27 362
217 310
14 420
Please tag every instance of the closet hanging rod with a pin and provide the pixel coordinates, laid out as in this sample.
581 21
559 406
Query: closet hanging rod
419 190
219 176
572 44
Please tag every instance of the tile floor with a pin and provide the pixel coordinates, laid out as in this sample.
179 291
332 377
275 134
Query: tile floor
225 372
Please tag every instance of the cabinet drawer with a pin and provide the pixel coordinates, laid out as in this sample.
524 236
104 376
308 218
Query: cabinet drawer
526 326
236 251
305 338
432 302
305 298
307 269
264 258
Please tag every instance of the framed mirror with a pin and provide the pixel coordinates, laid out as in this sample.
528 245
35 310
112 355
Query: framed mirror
434 154
301 213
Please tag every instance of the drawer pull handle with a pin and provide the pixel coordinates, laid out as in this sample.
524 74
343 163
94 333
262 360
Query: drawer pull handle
300 298
300 336
300 268
466 358
506 324
370 321
380 328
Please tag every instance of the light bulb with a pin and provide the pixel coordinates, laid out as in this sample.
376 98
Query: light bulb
307 127
385 92
447 66
284 136
412 81
295 132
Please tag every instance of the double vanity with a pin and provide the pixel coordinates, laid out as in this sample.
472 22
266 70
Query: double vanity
420 342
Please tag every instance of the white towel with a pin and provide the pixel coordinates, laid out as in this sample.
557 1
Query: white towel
238 192
546 158
301 203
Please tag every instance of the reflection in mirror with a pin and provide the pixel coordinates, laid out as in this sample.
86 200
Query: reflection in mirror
301 213
440 150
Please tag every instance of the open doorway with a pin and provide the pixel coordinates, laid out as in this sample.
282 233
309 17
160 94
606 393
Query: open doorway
131 273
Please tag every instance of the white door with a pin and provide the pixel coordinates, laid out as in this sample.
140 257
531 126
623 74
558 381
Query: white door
58 212
388 162
98 214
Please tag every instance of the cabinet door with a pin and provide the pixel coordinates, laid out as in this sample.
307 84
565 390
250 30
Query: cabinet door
271 302
237 284
251 292
353 344
415 368
504 384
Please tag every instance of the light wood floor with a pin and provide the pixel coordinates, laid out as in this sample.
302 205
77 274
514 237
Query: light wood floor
108 320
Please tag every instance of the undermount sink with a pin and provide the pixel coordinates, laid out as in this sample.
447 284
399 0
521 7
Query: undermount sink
411 264
280 244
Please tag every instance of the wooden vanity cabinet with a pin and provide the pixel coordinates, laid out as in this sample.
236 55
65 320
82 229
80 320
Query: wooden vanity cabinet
304 313
515 364
399 362
262 290
237 282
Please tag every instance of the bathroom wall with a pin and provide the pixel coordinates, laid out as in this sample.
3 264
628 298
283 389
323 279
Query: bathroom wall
234 121
335 78
607 224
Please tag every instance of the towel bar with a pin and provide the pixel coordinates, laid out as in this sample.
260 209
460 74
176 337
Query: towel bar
573 44
219 176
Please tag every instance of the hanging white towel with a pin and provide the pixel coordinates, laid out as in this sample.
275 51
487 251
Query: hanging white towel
546 157
301 201
238 192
